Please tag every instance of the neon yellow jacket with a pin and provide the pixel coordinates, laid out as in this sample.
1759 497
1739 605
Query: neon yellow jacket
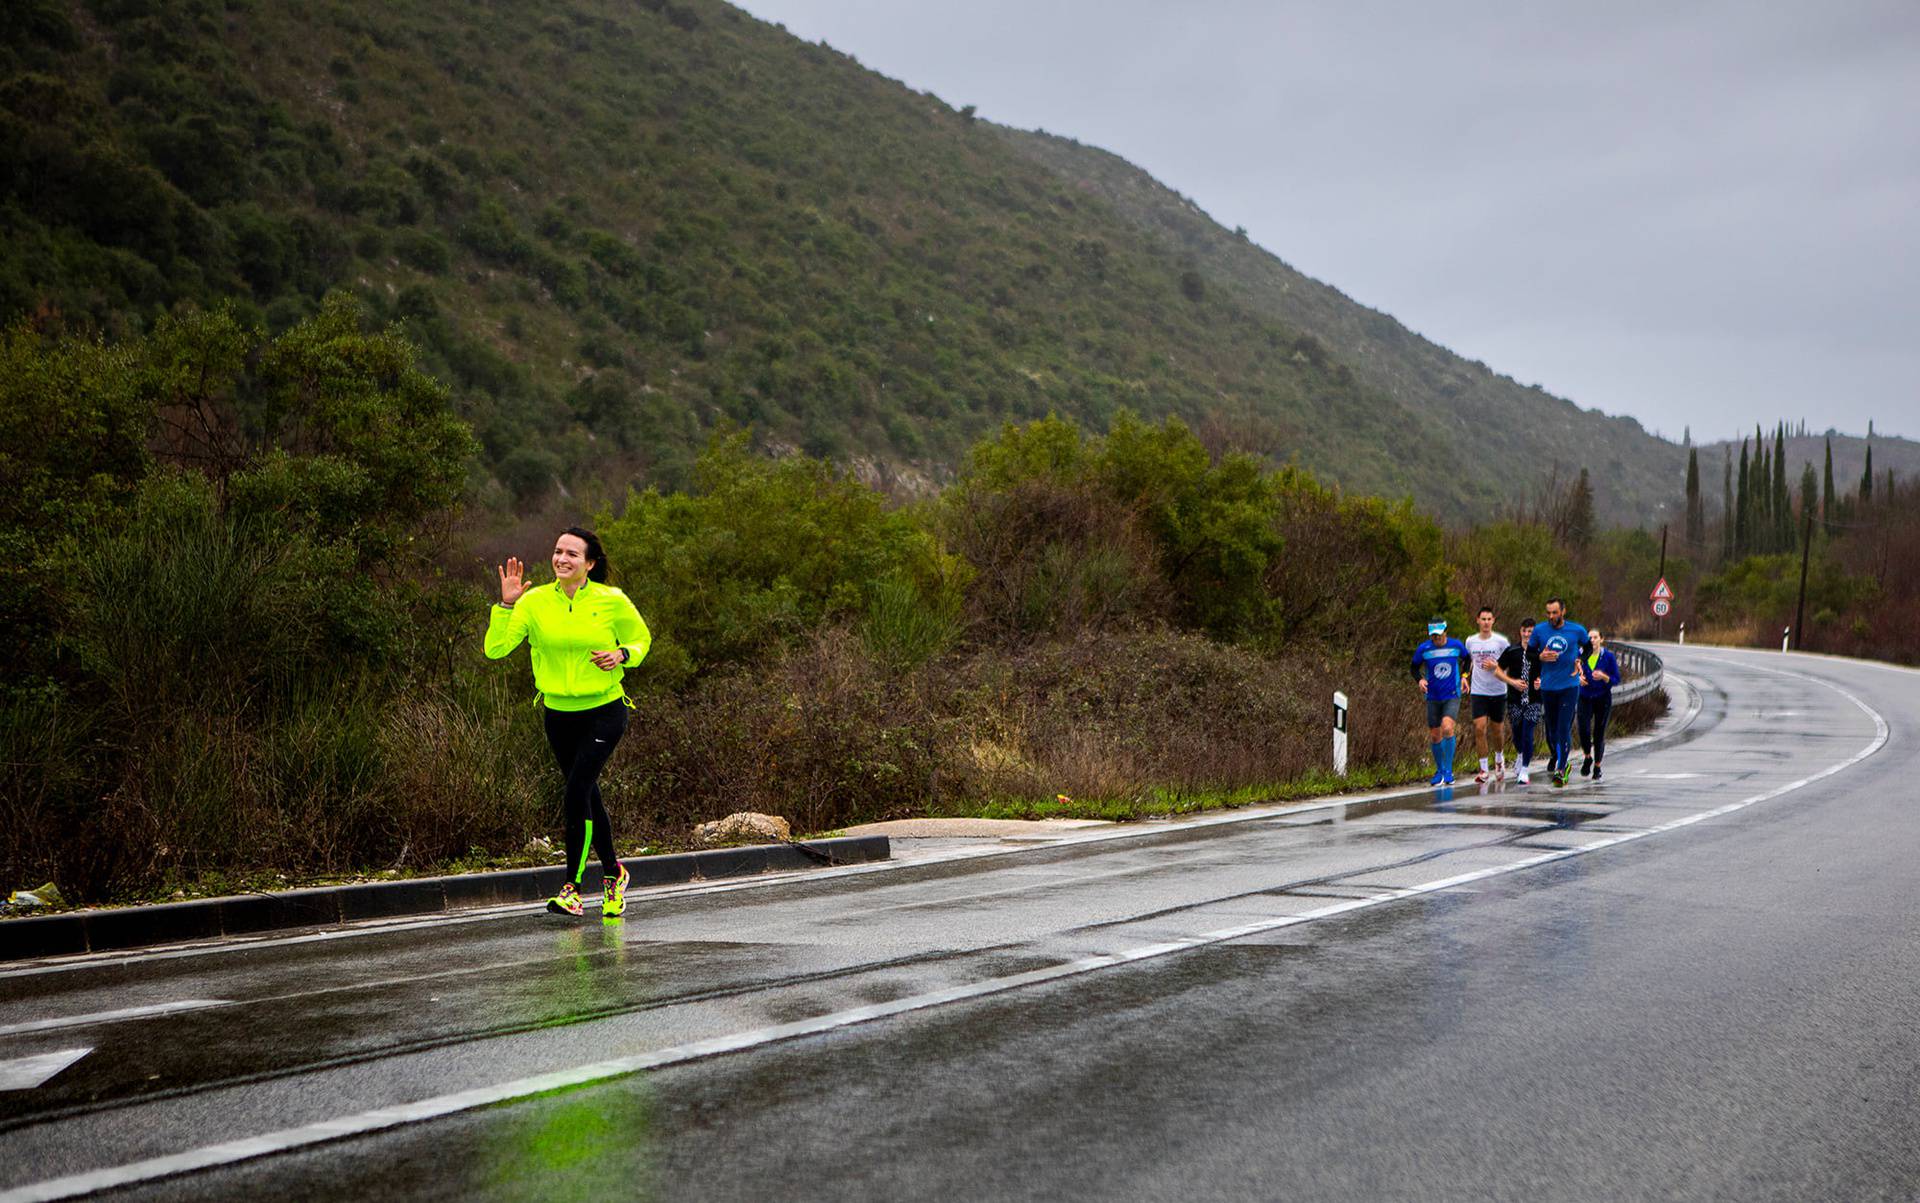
565 632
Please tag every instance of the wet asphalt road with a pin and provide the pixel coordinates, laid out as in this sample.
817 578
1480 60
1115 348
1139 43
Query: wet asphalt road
1310 1005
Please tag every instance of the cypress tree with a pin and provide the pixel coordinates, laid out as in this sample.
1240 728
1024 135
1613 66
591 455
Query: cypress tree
1826 491
1866 477
1809 490
1742 521
1696 508
1580 513
1782 505
1726 506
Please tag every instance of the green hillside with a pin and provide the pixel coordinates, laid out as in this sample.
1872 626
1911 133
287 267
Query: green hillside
1639 473
615 226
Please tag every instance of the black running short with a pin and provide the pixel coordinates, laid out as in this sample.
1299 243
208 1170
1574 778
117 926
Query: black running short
1494 707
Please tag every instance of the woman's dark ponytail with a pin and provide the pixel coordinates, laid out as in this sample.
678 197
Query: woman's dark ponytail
595 552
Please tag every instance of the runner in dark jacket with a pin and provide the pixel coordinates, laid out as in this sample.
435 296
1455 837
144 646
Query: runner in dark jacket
1523 705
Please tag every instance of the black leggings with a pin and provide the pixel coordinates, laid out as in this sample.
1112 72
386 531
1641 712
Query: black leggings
1594 713
1523 730
582 741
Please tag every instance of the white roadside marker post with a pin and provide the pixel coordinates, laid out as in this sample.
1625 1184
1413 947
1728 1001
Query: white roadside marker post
1785 634
1683 634
1339 733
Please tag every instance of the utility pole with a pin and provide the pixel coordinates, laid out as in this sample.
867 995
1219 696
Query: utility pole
1800 609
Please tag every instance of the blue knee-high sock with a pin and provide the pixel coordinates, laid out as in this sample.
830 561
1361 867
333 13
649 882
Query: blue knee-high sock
1434 748
1446 753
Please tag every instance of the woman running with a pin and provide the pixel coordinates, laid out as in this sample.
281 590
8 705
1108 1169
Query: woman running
585 635
1599 669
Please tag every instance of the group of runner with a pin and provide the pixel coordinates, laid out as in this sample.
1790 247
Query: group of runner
1558 673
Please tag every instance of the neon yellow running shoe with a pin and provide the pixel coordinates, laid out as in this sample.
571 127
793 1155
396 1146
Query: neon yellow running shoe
567 901
614 904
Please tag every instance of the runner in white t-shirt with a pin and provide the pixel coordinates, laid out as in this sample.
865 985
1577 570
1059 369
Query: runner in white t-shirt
1489 692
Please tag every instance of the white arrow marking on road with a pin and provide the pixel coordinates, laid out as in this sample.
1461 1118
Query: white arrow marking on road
74 1021
25 1073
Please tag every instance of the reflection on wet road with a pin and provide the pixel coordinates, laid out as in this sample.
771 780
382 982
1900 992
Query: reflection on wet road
1130 1017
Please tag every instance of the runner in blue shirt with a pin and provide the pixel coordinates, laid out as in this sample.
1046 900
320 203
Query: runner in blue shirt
1438 664
1558 644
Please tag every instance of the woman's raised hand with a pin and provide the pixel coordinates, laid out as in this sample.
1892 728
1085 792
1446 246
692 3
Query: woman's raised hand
513 581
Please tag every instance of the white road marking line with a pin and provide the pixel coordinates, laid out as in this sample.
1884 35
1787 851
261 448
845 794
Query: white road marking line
74 1021
382 1118
25 1073
1792 657
694 889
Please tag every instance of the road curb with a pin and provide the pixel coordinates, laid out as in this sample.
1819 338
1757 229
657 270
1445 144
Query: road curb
246 914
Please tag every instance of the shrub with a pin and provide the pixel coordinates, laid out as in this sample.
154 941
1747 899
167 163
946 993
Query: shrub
1052 558
1354 567
221 637
422 251
761 553
822 734
904 627
1515 567
529 473
465 770
492 233
1209 525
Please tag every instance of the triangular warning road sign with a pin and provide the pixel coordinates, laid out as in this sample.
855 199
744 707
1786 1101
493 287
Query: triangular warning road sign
1661 592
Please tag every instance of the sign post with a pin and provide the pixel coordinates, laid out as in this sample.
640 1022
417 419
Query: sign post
1339 733
1662 598
1658 613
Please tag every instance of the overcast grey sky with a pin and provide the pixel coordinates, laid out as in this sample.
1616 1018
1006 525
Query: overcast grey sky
1696 214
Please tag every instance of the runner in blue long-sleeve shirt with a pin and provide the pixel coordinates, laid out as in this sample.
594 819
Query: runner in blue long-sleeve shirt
1558 644
1438 664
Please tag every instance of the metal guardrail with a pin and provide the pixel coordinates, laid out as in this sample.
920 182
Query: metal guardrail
1641 671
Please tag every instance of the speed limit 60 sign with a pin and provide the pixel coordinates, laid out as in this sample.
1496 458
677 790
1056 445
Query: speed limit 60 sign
1661 607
